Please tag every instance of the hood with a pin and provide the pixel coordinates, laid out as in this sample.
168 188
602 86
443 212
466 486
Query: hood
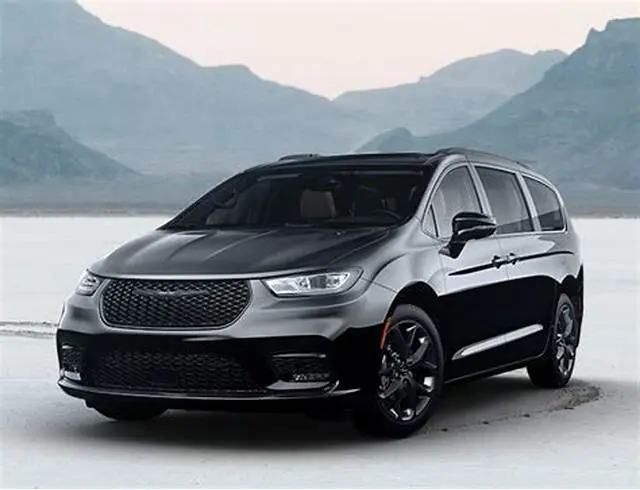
233 252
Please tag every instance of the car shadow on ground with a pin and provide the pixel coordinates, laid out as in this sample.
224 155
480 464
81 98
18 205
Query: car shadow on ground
482 402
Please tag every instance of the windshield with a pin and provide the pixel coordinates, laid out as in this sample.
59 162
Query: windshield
324 196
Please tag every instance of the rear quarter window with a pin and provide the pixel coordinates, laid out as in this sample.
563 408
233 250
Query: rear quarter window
547 207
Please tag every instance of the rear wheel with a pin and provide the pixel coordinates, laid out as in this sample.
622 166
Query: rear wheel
555 367
409 378
128 412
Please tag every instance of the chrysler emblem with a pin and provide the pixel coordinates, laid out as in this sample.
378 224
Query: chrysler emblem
178 293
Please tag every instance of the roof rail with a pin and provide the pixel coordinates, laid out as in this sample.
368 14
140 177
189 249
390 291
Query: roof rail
471 151
358 156
526 163
461 149
298 156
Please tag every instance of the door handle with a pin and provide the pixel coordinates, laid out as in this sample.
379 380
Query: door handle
498 261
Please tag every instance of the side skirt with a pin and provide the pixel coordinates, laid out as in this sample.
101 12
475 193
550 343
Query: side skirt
505 368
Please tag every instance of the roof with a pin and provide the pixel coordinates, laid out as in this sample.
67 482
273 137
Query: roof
373 158
407 158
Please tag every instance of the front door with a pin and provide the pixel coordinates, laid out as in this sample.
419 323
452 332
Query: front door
474 280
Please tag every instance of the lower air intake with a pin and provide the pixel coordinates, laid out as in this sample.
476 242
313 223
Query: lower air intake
206 373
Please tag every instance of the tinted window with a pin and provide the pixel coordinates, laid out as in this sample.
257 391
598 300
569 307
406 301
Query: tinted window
506 200
547 205
456 193
340 196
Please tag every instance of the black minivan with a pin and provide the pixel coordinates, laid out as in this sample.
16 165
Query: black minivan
359 282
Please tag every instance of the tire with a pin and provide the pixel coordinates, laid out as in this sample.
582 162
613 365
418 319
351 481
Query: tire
128 412
409 380
555 367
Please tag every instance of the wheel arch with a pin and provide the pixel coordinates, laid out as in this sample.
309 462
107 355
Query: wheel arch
423 296
419 294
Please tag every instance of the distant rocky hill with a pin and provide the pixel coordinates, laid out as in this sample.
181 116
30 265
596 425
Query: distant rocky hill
151 108
580 124
33 149
135 101
457 94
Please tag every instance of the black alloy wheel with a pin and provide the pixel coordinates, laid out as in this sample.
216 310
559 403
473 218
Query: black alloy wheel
566 339
555 368
409 378
408 371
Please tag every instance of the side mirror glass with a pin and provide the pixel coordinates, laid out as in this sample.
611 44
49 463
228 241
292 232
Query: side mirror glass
470 225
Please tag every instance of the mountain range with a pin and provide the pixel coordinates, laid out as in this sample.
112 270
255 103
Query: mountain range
78 96
156 111
457 94
580 124
151 108
33 148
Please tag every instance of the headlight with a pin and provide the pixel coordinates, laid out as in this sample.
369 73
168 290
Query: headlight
313 284
88 284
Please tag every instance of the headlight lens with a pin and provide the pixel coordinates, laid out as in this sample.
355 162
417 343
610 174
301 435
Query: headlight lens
88 284
313 284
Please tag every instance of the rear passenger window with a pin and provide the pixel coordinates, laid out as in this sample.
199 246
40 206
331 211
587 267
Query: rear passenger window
506 200
456 193
547 205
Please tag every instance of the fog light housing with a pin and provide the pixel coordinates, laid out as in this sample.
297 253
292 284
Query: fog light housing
310 377
302 367
71 362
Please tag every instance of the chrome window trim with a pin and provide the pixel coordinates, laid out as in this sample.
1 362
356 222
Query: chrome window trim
454 161
537 226
524 172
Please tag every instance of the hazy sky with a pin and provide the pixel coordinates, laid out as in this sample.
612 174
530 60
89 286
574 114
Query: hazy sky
329 46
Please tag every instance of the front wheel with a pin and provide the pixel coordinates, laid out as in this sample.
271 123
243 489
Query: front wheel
555 367
409 378
128 412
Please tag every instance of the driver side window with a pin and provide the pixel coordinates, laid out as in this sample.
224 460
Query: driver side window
456 193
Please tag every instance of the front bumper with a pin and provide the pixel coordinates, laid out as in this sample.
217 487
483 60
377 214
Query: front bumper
177 369
293 350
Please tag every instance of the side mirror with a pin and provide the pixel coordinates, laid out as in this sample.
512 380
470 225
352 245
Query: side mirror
467 226
472 226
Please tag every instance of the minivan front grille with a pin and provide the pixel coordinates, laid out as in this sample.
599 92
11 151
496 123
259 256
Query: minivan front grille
174 304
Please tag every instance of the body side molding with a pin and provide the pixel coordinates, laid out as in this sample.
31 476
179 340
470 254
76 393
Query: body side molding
496 341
